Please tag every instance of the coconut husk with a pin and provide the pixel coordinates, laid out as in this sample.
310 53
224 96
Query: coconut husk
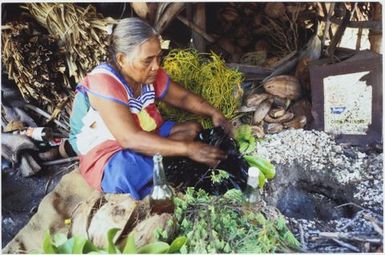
255 100
262 110
273 128
284 118
81 217
227 44
302 107
236 122
229 14
275 10
116 213
261 45
258 131
297 122
257 20
244 42
285 86
244 109
281 102
277 112
144 232
254 58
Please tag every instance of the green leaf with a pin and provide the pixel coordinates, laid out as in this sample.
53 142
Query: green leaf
234 195
245 139
291 240
243 132
156 247
177 244
79 245
88 247
260 218
59 239
67 247
264 165
35 252
48 248
261 180
183 249
130 247
227 248
280 223
218 175
111 248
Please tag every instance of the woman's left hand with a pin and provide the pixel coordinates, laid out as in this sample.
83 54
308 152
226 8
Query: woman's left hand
220 121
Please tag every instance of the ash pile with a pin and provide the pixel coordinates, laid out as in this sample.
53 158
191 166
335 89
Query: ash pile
331 194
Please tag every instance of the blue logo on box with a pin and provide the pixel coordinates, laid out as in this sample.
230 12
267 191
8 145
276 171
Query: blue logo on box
337 110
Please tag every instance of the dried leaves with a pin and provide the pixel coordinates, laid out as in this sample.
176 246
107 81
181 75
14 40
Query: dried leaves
33 61
82 33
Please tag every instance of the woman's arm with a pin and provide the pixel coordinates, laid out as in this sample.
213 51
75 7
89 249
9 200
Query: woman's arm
181 98
121 124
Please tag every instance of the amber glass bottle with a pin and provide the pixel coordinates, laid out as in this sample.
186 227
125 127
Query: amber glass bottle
161 198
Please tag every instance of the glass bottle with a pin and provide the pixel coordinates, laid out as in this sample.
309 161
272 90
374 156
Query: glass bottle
43 134
252 193
161 197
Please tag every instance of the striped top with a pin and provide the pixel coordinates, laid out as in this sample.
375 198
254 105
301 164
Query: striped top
89 135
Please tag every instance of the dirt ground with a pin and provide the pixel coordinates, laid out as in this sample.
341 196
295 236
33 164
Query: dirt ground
21 197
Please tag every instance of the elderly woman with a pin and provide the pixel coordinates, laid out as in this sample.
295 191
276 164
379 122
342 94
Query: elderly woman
116 127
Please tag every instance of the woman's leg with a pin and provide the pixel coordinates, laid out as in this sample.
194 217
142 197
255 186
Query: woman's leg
128 172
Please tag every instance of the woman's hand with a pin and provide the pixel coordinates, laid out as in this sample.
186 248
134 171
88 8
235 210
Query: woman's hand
205 154
220 121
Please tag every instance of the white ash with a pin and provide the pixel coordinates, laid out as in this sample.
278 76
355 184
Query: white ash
370 189
318 151
315 149
311 229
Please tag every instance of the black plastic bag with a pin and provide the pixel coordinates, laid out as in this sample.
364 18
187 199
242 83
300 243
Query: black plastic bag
183 172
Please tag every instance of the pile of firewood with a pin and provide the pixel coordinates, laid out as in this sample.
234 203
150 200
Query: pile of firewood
82 32
47 66
32 59
278 107
253 32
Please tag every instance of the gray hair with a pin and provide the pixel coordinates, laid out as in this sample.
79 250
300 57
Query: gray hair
127 35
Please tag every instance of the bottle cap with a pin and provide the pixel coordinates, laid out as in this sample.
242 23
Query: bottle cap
253 171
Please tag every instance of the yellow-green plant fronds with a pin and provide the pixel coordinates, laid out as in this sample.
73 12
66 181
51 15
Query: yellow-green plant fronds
207 76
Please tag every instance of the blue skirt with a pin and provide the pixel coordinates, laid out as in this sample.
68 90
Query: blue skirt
131 172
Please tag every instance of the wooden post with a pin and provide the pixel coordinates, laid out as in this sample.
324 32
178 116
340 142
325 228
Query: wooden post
375 38
199 18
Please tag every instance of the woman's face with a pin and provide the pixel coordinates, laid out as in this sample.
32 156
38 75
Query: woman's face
145 65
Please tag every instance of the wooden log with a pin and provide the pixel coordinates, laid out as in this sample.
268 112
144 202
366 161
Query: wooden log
338 35
349 236
375 37
250 69
373 25
199 18
327 25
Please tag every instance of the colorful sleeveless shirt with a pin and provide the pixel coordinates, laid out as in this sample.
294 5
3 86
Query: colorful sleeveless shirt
89 135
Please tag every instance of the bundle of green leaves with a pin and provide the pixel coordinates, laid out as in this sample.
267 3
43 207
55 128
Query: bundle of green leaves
247 145
60 244
224 224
